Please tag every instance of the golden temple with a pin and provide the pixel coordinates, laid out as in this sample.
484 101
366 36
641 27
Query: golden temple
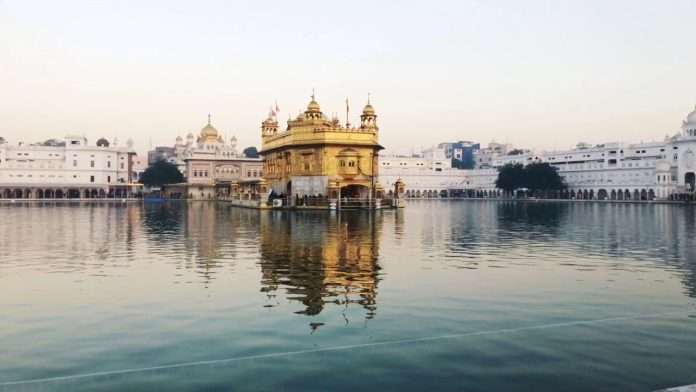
317 158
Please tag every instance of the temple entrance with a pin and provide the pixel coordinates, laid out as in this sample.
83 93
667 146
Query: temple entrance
690 181
355 192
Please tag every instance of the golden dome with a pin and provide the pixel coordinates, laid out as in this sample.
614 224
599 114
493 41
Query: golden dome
270 119
209 132
313 106
369 110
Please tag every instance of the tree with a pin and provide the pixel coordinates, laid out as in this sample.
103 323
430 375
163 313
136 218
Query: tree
510 177
160 173
541 176
251 152
536 177
516 151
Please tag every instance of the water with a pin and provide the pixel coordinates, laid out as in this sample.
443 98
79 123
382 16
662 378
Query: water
444 295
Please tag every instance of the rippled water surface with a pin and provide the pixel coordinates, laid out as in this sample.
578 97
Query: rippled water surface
444 295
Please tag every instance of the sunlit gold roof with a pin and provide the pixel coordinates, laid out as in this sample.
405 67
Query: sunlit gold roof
209 132
313 106
369 110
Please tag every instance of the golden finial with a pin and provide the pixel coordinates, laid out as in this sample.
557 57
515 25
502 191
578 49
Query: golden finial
208 118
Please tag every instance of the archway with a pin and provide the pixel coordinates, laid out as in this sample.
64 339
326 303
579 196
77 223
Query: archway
644 194
585 194
27 193
591 196
572 194
17 194
102 194
40 194
602 194
613 194
59 194
690 181
86 196
627 195
355 191
94 194
636 194
49 194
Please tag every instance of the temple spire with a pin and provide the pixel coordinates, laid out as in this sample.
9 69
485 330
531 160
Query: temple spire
208 118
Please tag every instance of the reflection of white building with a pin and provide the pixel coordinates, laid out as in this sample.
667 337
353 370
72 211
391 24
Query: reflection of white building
617 171
66 168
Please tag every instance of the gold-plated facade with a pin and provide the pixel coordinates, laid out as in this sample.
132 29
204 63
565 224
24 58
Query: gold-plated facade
320 157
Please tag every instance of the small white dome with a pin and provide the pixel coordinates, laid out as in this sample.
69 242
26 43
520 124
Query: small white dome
691 118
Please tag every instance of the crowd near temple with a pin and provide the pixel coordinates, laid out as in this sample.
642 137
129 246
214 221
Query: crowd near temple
316 161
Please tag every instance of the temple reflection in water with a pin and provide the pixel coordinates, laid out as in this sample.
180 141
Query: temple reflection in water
320 259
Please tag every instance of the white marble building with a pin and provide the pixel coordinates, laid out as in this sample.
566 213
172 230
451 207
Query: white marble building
66 168
210 165
610 171
429 175
620 171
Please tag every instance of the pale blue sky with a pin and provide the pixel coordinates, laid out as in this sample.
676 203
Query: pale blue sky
534 73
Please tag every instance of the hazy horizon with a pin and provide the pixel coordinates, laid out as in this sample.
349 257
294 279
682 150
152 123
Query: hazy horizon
535 74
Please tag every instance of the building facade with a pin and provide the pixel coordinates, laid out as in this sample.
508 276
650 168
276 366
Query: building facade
619 171
611 171
140 164
429 175
319 157
67 168
461 153
212 166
